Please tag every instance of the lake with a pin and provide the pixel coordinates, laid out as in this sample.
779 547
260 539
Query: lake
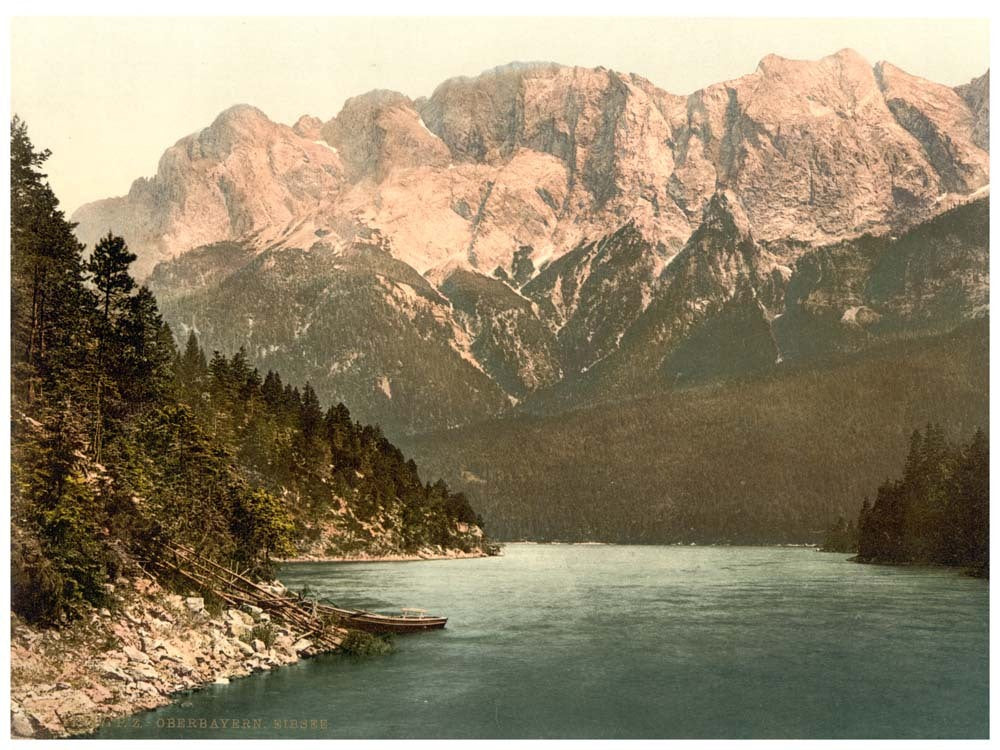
602 641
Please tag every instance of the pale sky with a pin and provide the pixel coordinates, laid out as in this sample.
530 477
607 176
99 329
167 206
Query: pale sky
109 95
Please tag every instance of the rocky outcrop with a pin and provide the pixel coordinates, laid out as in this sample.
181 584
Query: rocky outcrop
381 131
813 150
309 127
72 680
976 94
612 134
594 293
508 338
341 535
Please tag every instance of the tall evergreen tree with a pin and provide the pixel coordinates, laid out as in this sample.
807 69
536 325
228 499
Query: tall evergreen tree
192 369
272 390
145 374
108 270
49 303
310 414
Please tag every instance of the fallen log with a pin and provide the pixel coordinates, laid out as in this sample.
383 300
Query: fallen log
237 590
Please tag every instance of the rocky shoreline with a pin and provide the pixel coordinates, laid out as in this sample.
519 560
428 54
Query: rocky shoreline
150 647
451 554
153 646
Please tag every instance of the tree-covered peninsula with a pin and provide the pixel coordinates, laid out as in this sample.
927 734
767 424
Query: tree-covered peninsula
121 444
936 513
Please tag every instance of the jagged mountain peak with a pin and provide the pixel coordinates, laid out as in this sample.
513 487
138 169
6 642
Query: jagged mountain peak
512 70
308 126
802 90
487 117
544 156
239 126
243 177
891 76
241 113
517 73
724 213
774 63
240 120
380 131
848 57
374 100
883 68
941 121
846 64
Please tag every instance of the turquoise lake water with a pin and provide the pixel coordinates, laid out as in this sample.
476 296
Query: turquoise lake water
582 641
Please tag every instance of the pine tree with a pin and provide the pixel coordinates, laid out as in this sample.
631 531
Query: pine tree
49 304
192 369
261 526
970 505
148 353
239 369
337 427
310 414
54 499
108 270
914 458
272 391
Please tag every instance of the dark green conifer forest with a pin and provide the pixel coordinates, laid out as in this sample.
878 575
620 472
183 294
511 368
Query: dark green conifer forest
121 443
938 512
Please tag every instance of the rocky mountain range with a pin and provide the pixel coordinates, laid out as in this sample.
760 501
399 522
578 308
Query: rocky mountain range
541 237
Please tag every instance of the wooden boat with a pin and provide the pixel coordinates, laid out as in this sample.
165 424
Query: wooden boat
410 621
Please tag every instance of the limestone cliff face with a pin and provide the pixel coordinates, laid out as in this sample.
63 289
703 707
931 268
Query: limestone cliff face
612 134
976 94
542 229
548 156
242 176
934 116
815 152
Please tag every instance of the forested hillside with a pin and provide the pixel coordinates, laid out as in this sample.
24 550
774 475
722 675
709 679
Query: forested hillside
762 459
121 444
